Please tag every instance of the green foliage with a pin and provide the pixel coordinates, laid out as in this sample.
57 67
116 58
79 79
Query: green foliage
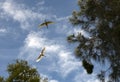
20 71
101 19
2 79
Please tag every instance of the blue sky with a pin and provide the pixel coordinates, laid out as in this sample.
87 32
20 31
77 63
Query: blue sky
20 38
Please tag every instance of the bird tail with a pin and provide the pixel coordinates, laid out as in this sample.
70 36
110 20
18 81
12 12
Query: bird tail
47 26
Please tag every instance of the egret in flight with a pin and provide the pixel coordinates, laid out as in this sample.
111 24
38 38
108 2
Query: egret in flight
46 23
41 55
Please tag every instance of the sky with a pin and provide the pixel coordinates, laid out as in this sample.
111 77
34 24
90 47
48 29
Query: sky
21 38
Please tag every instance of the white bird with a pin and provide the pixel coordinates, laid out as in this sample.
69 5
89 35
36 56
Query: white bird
46 23
41 55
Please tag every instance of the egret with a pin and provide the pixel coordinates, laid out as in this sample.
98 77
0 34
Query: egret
41 55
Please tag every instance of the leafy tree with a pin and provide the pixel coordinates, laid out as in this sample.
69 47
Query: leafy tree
2 79
100 19
20 71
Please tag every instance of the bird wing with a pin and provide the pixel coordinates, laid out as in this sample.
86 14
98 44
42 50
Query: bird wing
43 24
41 55
46 23
39 58
43 50
49 22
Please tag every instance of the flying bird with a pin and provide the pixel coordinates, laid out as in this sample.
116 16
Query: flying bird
41 55
46 23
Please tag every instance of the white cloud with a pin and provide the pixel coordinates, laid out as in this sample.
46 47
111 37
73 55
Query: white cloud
35 40
41 2
59 19
53 81
49 78
21 14
67 63
2 30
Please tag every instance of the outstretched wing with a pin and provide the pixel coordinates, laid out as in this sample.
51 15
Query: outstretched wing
49 22
43 24
41 55
39 58
46 23
42 52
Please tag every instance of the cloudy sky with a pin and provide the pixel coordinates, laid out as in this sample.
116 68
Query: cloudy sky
20 38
